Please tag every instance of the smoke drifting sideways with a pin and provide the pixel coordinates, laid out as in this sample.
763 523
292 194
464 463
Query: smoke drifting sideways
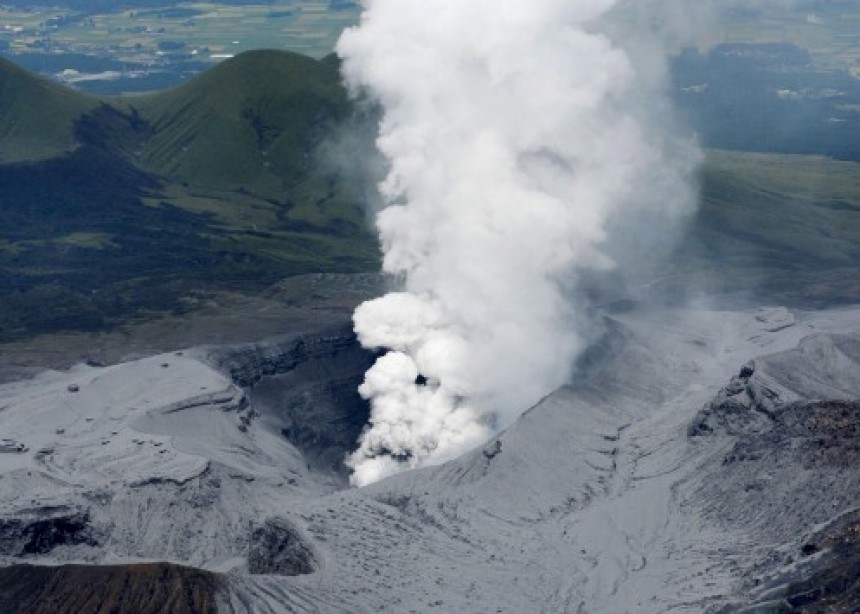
528 143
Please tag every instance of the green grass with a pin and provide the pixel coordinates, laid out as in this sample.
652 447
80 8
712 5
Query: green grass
217 184
222 184
251 122
304 26
88 240
780 228
829 31
228 209
242 143
806 209
36 115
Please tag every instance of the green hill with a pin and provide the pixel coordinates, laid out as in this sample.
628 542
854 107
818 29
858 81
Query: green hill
36 115
108 207
779 228
251 127
250 121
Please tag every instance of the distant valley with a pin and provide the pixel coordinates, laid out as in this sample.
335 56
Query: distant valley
108 47
117 208
124 210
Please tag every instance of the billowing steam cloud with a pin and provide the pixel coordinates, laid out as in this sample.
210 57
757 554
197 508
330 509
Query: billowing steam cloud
525 146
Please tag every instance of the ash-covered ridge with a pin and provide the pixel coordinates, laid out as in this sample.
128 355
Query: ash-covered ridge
603 497
789 473
700 461
166 458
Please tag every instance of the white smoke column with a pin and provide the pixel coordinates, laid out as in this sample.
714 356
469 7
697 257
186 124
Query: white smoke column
516 134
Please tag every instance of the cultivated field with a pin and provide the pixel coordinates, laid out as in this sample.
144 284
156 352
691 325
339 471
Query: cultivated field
830 31
202 30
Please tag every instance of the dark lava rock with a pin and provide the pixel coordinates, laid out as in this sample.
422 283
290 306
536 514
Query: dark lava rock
790 425
803 385
248 363
493 449
277 548
115 589
733 413
41 534
306 388
818 433
829 578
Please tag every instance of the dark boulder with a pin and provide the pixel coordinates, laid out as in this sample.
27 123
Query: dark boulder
42 533
277 548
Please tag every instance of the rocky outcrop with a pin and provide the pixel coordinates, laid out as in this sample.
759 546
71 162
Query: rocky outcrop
796 400
305 387
278 548
744 406
790 473
825 576
248 363
43 530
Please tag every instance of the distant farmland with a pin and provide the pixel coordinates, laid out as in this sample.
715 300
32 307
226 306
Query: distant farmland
307 26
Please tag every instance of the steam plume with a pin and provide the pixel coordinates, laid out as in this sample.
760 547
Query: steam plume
526 145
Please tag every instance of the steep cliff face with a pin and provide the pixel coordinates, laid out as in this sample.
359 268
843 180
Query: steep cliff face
305 388
790 471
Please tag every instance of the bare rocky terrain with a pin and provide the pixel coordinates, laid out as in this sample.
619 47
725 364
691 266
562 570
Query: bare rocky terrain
700 460
157 587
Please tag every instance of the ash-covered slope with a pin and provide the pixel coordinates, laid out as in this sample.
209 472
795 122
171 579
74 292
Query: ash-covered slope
599 499
790 476
164 458
675 473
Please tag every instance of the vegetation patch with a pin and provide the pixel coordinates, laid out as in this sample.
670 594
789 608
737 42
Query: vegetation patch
218 184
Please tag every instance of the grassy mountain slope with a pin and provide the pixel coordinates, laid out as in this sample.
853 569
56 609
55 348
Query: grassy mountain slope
133 203
251 121
783 228
36 115
120 207
248 131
